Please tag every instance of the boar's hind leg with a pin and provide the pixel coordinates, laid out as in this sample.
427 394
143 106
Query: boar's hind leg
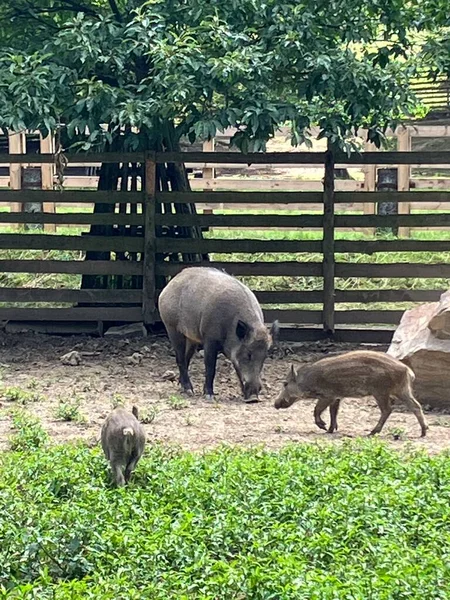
415 407
130 467
318 410
118 474
334 409
384 404
211 350
183 352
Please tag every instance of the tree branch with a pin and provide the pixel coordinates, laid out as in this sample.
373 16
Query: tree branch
115 10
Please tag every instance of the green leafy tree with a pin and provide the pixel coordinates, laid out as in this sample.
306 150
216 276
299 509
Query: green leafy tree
171 68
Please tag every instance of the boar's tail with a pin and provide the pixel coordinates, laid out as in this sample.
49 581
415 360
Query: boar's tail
128 435
135 412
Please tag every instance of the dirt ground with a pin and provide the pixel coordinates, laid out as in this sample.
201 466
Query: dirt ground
107 375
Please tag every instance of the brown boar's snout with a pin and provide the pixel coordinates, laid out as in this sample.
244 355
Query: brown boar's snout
282 402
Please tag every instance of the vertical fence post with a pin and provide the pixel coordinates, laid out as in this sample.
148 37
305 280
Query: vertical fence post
370 183
149 278
404 174
47 177
16 146
328 242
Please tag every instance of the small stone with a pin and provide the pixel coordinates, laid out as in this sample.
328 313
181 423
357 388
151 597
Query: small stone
132 330
169 376
146 351
134 359
72 359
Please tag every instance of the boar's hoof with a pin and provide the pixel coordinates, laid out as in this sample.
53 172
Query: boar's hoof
321 425
209 397
251 400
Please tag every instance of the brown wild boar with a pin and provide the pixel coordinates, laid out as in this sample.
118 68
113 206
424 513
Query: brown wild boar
354 374
123 441
205 306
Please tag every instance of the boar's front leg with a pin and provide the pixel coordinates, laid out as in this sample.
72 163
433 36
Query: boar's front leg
211 350
184 349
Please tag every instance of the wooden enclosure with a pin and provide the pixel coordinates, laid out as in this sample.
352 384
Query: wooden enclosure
141 256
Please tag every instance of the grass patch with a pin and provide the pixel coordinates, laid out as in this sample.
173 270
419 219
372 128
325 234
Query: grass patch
69 410
29 433
19 395
356 521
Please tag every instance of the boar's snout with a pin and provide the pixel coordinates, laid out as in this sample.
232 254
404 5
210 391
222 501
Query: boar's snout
284 401
251 388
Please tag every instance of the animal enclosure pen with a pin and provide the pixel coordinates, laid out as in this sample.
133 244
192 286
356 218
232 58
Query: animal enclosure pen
307 270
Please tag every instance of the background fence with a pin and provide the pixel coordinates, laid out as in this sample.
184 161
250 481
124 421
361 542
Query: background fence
307 270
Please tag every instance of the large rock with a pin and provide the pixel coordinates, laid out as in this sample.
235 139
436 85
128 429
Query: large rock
422 341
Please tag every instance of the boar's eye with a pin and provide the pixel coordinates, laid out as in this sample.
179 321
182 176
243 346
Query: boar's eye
249 356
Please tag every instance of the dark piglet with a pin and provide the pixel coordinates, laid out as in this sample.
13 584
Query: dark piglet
123 441
350 375
202 306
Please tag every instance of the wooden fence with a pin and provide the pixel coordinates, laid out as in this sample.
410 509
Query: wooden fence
298 324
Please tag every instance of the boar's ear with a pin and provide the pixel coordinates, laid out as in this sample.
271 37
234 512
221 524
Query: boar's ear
242 329
292 374
275 331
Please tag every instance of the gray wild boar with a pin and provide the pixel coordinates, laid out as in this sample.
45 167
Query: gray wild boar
123 441
354 374
205 306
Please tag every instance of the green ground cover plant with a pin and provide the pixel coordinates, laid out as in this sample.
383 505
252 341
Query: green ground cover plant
355 521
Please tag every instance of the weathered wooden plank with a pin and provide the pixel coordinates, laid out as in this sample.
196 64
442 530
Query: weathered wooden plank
356 336
73 267
296 158
16 241
328 242
289 158
266 185
370 247
73 218
292 268
372 197
362 317
399 270
205 246
71 196
101 157
424 220
242 220
368 296
96 313
149 282
293 316
240 197
60 295
364 336
282 297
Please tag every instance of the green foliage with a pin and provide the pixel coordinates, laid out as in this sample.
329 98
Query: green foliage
177 403
29 432
194 68
69 410
19 395
356 521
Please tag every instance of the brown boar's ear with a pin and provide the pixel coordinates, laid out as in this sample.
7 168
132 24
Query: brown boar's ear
135 412
242 329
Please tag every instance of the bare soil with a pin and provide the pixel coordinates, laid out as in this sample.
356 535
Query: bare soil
107 376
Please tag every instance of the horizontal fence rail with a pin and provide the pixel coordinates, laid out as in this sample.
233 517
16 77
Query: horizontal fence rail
137 249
